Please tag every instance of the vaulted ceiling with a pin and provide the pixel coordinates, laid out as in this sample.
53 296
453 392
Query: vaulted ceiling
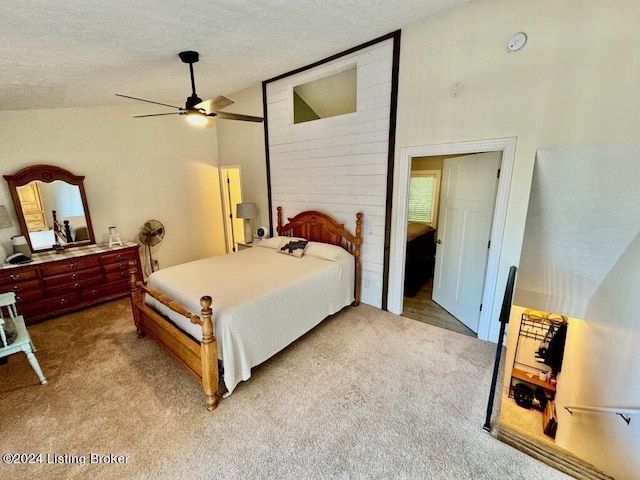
80 53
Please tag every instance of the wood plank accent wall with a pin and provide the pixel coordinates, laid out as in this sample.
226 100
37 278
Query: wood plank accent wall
338 165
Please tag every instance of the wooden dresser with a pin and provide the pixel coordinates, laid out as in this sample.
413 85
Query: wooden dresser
56 283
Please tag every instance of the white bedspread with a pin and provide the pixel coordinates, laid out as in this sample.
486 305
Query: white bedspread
262 300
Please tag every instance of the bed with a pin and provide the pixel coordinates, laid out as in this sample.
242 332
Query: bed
264 301
420 256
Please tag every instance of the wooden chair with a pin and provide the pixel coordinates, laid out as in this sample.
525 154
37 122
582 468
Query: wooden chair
22 342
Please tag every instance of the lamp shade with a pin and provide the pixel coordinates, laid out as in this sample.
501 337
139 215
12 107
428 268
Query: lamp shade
246 210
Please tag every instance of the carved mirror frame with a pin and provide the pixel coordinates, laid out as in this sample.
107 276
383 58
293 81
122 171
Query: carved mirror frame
48 174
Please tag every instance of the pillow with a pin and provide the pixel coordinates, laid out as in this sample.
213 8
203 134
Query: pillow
328 252
273 242
293 246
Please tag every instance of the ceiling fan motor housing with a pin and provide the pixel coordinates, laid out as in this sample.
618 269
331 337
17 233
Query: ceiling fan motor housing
192 101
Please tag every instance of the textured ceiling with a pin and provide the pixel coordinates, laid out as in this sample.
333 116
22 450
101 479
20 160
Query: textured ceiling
80 53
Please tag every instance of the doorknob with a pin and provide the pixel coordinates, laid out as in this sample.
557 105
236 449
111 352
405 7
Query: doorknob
438 241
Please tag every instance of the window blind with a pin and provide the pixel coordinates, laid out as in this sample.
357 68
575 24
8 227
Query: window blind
421 189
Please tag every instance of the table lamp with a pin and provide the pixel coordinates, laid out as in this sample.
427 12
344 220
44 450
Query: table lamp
246 211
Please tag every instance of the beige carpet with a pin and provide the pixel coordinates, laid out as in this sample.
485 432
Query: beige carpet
366 395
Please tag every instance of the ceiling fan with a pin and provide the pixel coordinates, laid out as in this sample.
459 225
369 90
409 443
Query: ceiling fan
198 112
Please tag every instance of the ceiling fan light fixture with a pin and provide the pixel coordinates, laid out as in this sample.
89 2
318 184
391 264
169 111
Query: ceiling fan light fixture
197 118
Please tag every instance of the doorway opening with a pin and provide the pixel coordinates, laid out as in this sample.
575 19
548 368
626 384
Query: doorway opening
489 270
231 189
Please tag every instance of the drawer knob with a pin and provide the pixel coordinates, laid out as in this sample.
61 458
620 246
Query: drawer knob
122 266
72 266
76 286
63 301
74 276
119 257
14 277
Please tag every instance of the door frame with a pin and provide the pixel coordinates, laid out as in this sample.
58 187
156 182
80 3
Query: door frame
227 209
402 174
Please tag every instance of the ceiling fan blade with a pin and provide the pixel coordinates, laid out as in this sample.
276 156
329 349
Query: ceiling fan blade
148 101
157 114
237 116
215 104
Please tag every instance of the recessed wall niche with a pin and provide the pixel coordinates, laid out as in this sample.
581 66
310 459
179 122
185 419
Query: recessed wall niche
325 97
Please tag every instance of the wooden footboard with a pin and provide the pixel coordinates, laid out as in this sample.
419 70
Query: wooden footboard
200 360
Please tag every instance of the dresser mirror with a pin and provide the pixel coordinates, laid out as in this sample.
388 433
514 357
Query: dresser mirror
51 206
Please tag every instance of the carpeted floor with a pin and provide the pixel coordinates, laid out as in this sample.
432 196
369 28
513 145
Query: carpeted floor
367 394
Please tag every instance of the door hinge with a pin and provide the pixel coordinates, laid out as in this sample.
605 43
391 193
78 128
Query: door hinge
228 180
489 244
480 307
498 173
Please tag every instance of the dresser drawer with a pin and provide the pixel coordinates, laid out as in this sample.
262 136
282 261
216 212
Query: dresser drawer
105 291
72 277
117 267
49 306
119 257
12 275
25 291
71 265
117 275
63 288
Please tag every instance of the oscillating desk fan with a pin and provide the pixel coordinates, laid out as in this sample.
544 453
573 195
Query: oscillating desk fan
151 234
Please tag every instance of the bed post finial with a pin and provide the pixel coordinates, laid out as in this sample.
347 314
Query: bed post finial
279 209
136 296
209 354
358 242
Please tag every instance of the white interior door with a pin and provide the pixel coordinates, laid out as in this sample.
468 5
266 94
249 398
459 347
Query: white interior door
468 193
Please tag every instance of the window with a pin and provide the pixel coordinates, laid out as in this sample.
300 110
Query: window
424 189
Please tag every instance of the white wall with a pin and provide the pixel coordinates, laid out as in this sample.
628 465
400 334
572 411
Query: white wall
583 213
135 169
602 368
242 143
338 165
573 84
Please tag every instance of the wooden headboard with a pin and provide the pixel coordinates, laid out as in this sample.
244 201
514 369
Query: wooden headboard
319 227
